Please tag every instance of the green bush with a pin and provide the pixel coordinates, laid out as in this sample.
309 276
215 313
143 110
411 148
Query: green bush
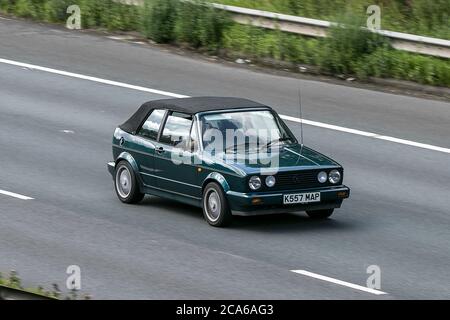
117 16
346 51
346 44
158 20
258 43
423 17
91 13
196 23
94 13
108 14
56 10
200 25
26 8
6 6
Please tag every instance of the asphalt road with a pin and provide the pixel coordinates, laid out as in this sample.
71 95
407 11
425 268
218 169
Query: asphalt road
55 138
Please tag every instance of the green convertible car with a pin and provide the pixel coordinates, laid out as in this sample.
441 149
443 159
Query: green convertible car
229 156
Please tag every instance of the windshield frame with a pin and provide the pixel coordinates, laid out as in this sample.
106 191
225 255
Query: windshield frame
280 123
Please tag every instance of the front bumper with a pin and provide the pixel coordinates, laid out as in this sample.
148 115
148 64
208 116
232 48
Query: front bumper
111 167
258 203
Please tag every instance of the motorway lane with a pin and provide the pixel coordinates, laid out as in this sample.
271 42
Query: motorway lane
397 219
152 66
76 218
66 175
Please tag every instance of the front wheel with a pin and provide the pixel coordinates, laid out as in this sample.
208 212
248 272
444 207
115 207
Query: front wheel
126 185
320 214
215 206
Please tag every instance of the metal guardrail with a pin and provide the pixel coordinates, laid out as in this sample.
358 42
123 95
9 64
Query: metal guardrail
318 28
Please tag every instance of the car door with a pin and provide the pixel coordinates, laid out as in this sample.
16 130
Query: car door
174 157
145 145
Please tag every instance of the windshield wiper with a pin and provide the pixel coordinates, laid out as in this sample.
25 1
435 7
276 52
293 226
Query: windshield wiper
282 139
235 147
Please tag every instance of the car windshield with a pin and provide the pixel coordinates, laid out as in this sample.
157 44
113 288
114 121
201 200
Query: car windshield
243 131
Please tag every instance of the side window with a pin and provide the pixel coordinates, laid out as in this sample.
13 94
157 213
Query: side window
177 130
150 128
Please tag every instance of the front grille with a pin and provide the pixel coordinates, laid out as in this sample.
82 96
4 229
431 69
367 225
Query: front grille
304 179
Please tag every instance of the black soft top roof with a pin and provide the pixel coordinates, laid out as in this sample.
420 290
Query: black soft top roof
186 105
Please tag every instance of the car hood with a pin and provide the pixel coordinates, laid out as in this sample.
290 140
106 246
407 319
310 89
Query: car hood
288 158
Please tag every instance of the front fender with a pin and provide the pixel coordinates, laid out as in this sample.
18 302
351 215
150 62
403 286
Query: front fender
220 179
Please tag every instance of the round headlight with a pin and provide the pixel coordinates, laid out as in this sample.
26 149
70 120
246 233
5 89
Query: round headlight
322 177
270 181
254 183
334 176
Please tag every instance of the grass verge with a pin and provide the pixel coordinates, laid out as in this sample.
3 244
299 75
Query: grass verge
13 281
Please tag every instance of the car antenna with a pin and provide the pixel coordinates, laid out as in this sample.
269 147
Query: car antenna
301 117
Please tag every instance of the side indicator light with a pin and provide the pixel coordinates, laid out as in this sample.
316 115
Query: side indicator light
257 201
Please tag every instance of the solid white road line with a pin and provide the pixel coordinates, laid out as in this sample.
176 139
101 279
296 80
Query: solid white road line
329 126
339 282
368 134
175 95
15 195
89 78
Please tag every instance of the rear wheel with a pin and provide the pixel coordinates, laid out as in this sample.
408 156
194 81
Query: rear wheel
126 185
320 214
215 206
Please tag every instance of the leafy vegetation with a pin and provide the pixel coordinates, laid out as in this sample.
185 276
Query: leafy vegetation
13 281
194 23
424 17
108 14
158 20
200 25
348 50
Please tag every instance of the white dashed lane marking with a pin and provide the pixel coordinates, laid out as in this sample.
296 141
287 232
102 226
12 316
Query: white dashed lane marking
338 282
15 195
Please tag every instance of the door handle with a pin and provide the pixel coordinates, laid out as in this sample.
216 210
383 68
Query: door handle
160 150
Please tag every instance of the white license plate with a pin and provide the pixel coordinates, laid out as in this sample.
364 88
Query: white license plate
301 197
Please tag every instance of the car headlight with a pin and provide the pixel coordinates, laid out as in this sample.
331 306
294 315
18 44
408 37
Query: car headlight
270 181
322 177
254 183
334 176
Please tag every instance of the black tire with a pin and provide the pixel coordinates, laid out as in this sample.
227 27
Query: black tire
127 190
320 214
220 214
